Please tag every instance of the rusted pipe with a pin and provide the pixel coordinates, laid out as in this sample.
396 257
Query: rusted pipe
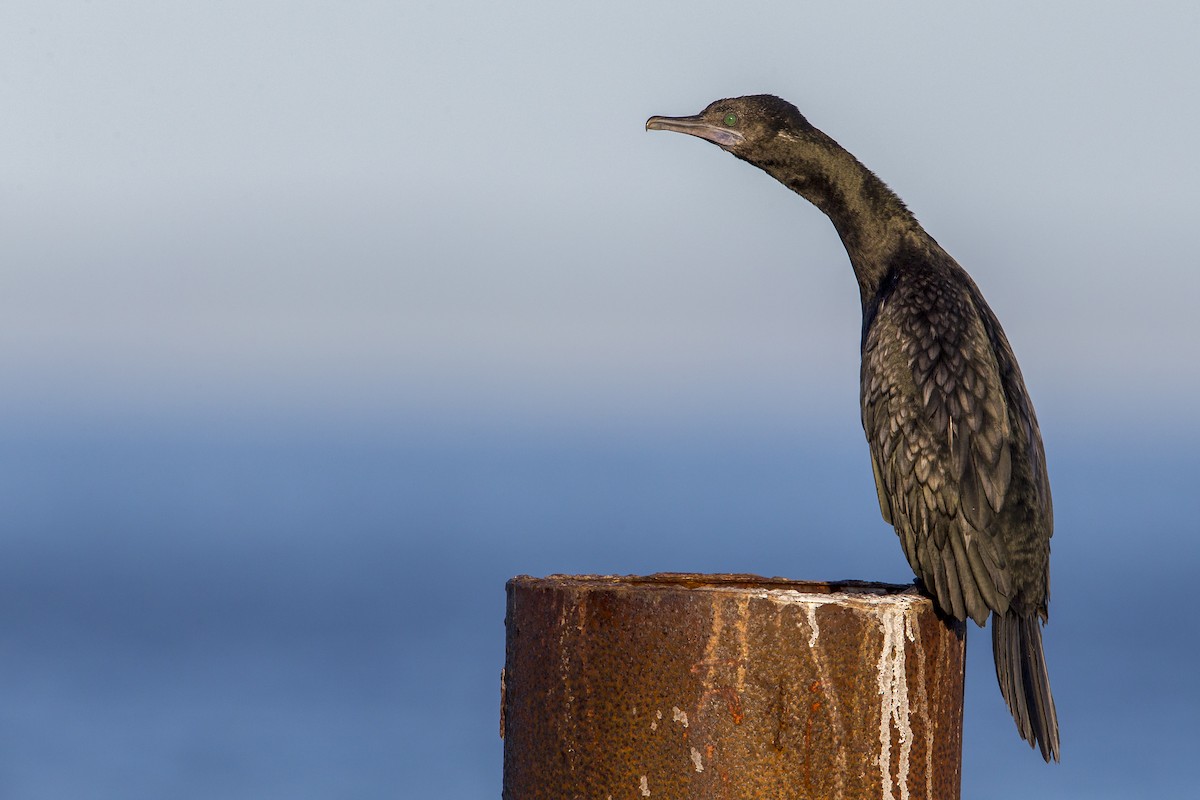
728 686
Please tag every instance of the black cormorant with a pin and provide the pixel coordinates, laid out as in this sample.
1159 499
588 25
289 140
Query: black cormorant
955 445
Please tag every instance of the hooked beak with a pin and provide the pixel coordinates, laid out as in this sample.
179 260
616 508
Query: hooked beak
697 126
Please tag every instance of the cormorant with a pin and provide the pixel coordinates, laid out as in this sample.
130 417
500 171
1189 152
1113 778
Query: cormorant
955 445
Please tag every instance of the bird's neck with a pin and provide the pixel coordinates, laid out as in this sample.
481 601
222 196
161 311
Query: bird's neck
871 220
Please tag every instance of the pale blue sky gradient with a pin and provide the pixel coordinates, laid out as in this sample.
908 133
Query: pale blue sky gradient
437 211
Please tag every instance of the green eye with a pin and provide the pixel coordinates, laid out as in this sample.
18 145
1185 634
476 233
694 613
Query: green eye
731 119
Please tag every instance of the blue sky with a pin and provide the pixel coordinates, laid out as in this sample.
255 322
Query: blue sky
445 210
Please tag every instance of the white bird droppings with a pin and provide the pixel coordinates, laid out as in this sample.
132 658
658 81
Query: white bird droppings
893 695
814 630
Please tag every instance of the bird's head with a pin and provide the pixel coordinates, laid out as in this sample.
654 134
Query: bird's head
739 124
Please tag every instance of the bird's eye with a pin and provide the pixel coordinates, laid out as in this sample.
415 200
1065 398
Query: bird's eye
731 119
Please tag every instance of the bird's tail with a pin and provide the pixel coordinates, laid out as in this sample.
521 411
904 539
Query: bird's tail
1024 682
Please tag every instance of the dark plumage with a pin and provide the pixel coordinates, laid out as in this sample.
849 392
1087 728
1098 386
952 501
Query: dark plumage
955 445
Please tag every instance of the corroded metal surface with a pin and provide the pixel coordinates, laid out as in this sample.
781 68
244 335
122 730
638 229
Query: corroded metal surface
728 686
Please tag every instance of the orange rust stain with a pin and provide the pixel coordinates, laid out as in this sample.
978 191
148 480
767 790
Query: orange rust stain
815 707
815 686
733 701
708 663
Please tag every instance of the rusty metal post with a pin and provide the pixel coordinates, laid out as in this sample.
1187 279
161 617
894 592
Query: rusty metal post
728 686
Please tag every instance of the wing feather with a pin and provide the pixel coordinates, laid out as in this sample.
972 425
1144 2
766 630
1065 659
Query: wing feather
935 415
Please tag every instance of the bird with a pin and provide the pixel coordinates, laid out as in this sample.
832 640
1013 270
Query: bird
955 446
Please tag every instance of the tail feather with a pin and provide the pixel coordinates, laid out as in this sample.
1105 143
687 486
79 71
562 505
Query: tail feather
1024 682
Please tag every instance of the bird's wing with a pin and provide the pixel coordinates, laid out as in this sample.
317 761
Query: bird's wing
935 415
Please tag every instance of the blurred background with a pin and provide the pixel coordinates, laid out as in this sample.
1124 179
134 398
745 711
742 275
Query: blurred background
319 321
